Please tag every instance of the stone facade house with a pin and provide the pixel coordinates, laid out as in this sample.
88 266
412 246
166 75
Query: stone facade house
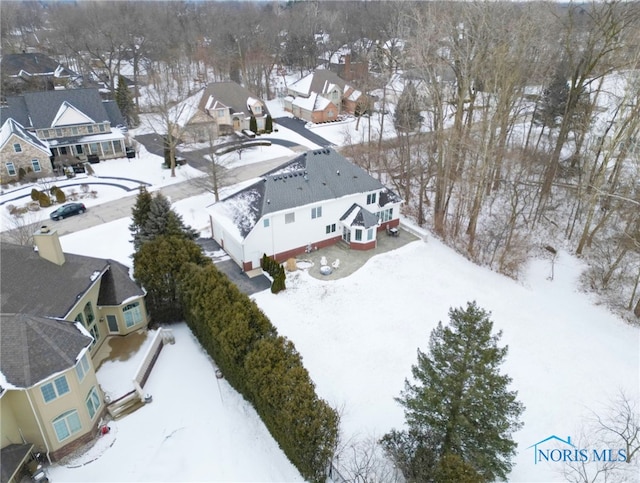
21 152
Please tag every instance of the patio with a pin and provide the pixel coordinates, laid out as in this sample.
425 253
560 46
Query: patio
352 260
120 347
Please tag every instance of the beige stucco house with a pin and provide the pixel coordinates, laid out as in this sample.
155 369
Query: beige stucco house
57 311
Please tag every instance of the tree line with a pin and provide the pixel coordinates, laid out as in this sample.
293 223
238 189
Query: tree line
266 368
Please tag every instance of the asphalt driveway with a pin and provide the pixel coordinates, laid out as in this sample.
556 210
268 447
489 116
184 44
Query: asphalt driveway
298 126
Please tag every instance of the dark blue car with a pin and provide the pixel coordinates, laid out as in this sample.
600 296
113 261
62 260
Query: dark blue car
69 209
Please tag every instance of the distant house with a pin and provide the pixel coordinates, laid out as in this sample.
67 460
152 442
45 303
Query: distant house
321 96
57 312
346 65
219 109
33 71
21 152
73 122
317 199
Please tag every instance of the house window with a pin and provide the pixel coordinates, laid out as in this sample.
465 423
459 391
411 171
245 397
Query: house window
79 149
88 313
90 129
221 112
11 169
330 113
74 130
67 424
289 218
316 212
93 148
117 147
59 133
52 390
371 198
106 147
36 165
385 215
102 127
257 109
358 235
331 228
132 314
82 367
17 148
370 234
95 333
265 222
93 402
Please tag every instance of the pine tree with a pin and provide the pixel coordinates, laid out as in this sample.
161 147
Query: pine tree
125 103
139 215
407 117
162 220
253 124
268 123
460 399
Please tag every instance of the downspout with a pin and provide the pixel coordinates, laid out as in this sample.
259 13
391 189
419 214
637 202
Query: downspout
39 427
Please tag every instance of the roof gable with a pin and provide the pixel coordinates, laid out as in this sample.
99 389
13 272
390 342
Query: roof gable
356 215
34 348
219 95
69 115
39 109
11 129
320 81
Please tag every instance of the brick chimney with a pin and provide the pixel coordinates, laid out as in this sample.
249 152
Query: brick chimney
48 245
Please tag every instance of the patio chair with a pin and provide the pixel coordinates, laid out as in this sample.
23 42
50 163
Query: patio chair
323 261
336 264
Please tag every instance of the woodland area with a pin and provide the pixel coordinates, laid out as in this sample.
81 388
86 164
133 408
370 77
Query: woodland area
524 138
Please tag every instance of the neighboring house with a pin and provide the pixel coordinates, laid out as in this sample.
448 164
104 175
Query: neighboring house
21 153
219 109
57 311
33 71
322 96
346 66
74 122
317 199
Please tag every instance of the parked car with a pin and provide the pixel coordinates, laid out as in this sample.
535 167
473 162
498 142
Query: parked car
69 209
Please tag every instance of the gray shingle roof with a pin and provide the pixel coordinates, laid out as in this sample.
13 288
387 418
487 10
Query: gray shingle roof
312 177
33 64
232 95
33 348
12 457
33 285
38 109
363 217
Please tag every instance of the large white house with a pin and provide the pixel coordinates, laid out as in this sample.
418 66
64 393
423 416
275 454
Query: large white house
317 199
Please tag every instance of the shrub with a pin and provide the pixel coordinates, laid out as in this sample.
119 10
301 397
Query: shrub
60 196
43 199
35 194
21 173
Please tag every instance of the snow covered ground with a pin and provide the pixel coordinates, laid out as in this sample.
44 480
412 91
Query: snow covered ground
358 337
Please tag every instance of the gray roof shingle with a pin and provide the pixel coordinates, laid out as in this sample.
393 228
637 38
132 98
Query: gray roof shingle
33 348
312 177
32 63
33 285
232 95
38 109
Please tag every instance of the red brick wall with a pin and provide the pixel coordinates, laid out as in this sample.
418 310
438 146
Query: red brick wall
363 246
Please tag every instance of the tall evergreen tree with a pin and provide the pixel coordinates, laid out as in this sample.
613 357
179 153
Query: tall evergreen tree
127 107
253 124
407 117
139 214
162 220
157 266
460 403
268 124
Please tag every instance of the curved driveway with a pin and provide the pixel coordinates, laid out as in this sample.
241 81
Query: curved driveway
299 127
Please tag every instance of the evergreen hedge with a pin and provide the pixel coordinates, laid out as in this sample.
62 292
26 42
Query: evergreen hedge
262 366
276 271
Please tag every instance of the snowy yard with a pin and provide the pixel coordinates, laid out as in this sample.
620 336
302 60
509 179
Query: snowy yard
358 337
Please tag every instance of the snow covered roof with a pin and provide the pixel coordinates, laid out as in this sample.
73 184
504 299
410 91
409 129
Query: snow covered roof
182 112
35 348
314 176
12 127
314 102
321 81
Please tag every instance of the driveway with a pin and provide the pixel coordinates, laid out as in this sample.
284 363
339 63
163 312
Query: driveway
231 269
298 126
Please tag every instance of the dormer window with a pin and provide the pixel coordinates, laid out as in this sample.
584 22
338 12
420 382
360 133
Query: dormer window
90 129
59 133
102 127
257 109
